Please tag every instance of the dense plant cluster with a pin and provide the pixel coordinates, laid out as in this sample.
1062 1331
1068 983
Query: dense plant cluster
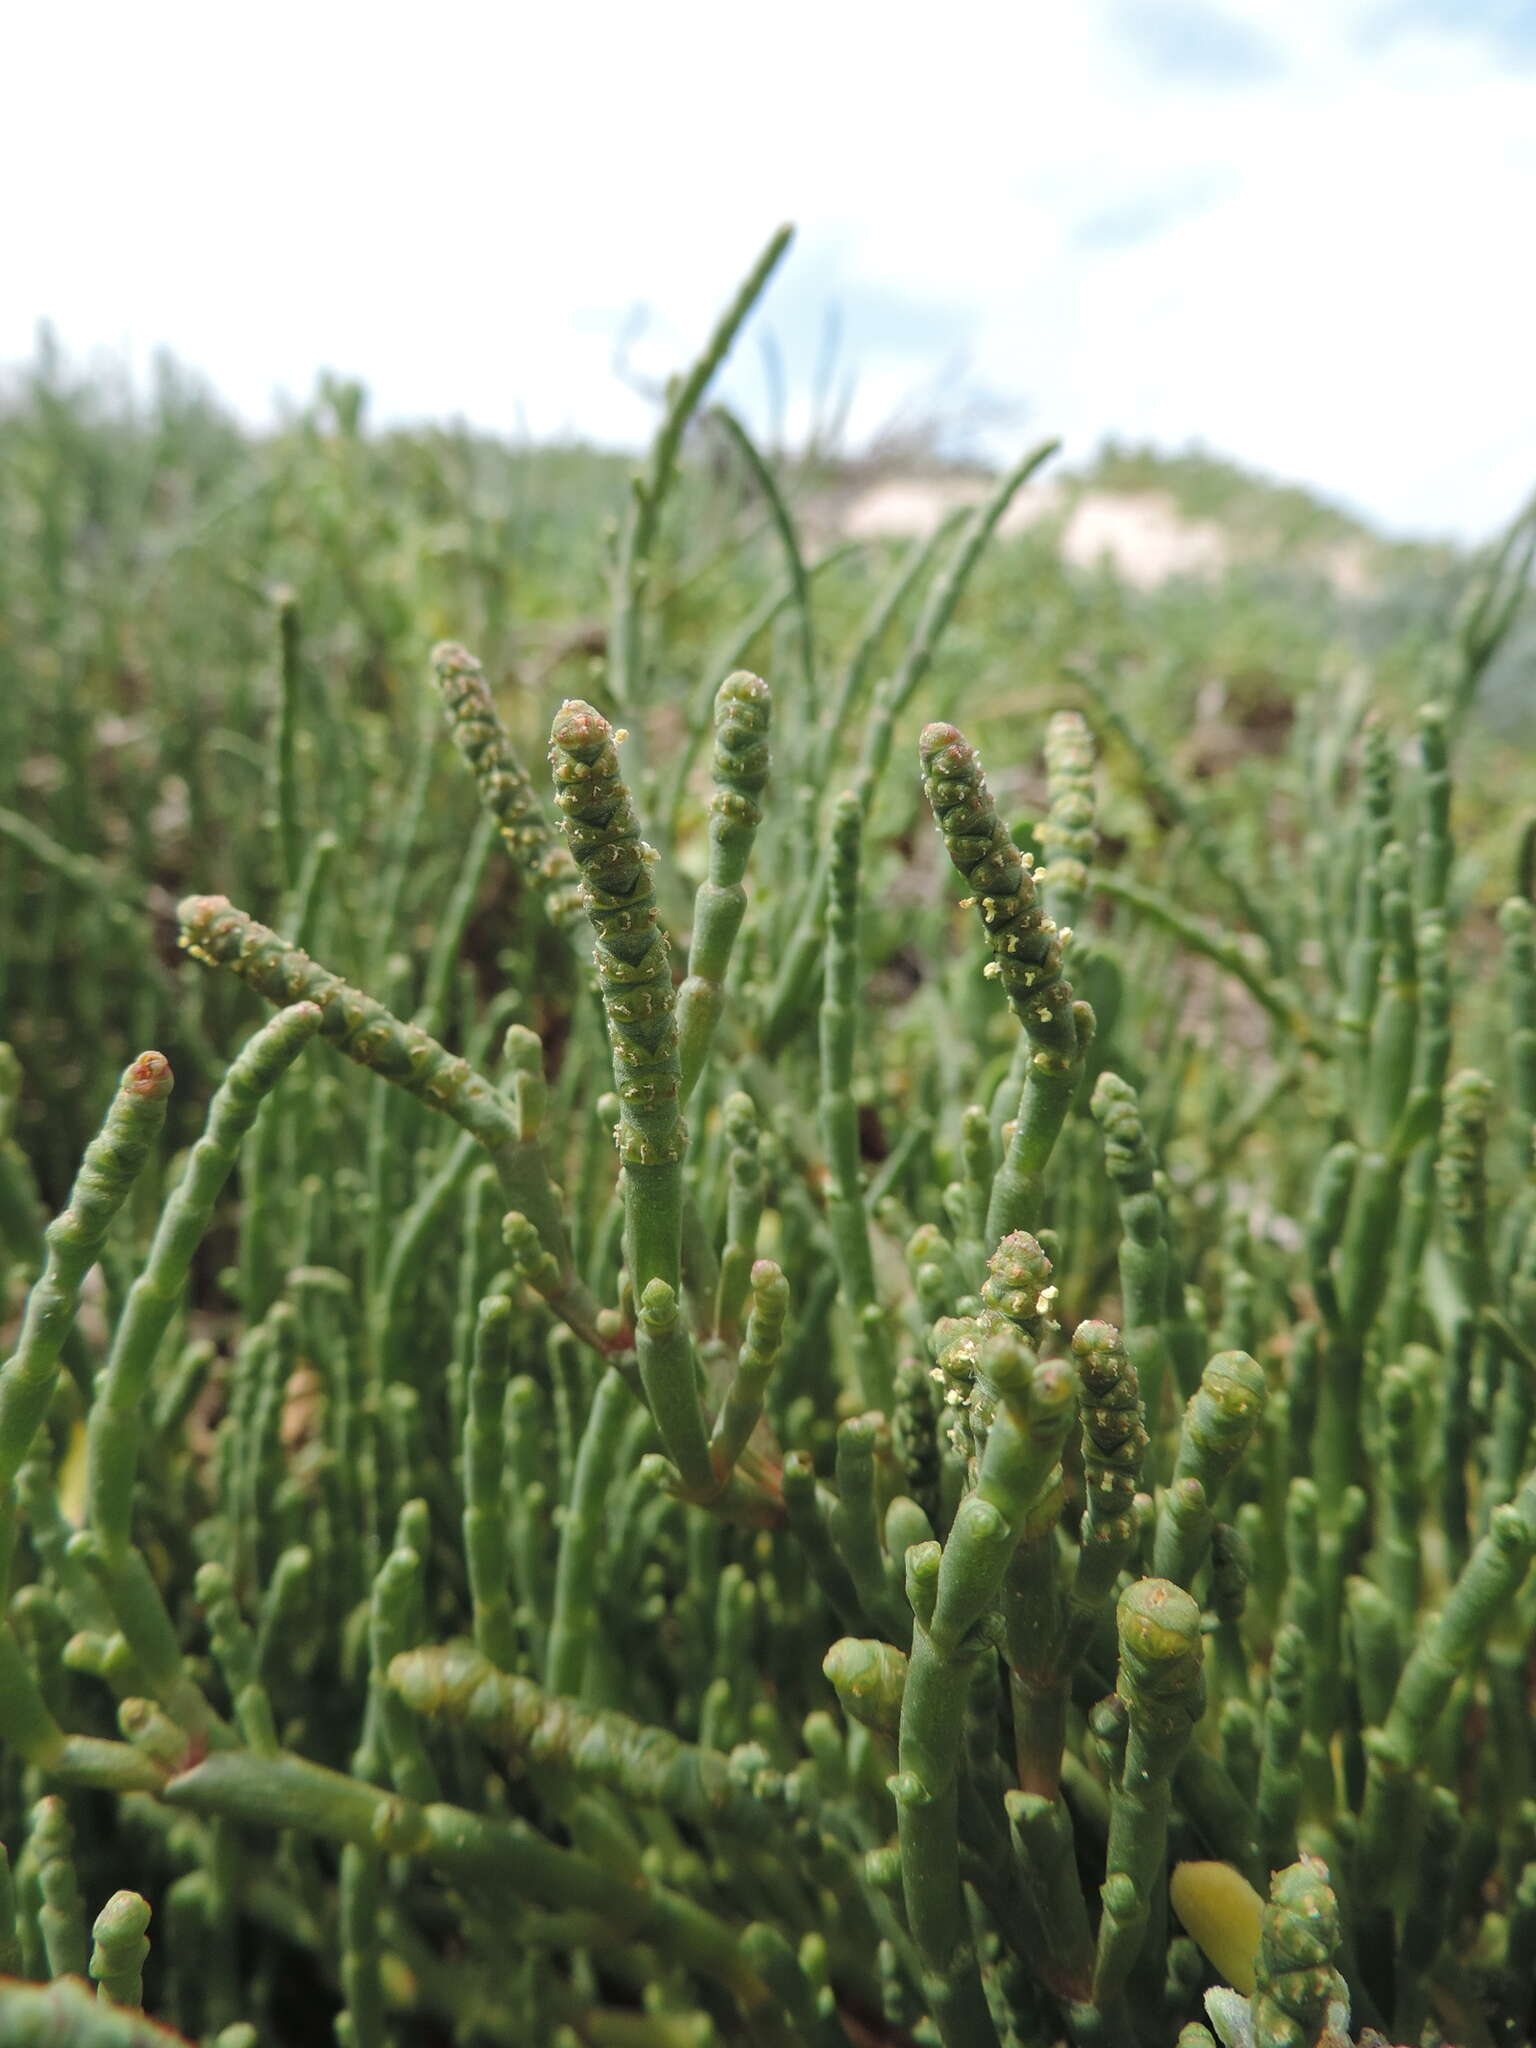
741 1417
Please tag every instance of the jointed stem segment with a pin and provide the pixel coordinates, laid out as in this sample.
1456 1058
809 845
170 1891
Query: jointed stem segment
214 931
743 709
503 784
1026 958
74 1238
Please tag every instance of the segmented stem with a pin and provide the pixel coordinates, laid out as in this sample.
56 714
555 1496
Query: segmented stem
215 932
120 1947
950 1591
634 972
74 1240
1114 1444
743 711
1298 1940
591 1746
1066 832
505 790
118 1410
1026 958
1162 1691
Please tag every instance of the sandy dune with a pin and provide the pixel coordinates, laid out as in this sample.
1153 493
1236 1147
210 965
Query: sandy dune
1141 535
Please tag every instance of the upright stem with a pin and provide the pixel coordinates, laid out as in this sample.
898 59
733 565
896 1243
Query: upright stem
74 1239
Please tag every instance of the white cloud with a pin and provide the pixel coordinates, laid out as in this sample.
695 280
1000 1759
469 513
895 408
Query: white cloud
1316 268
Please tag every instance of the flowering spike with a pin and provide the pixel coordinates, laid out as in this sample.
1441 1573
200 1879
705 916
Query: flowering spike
743 712
502 782
1026 950
74 1239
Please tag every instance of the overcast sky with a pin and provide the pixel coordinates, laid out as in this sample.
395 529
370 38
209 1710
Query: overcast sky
1297 231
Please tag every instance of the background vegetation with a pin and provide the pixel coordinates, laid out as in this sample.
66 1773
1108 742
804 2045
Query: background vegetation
214 683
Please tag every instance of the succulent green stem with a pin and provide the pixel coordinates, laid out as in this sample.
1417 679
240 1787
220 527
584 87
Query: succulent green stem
1295 1978
215 932
951 1592
1066 833
119 1947
485 1517
1026 958
574 1621
499 1858
634 971
743 709
74 1241
1221 1418
742 1404
590 1745
1162 1690
290 838
1144 1258
505 790
670 1375
117 1414
1114 1444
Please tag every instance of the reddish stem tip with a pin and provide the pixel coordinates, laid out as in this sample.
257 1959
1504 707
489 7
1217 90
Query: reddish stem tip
149 1076
579 728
